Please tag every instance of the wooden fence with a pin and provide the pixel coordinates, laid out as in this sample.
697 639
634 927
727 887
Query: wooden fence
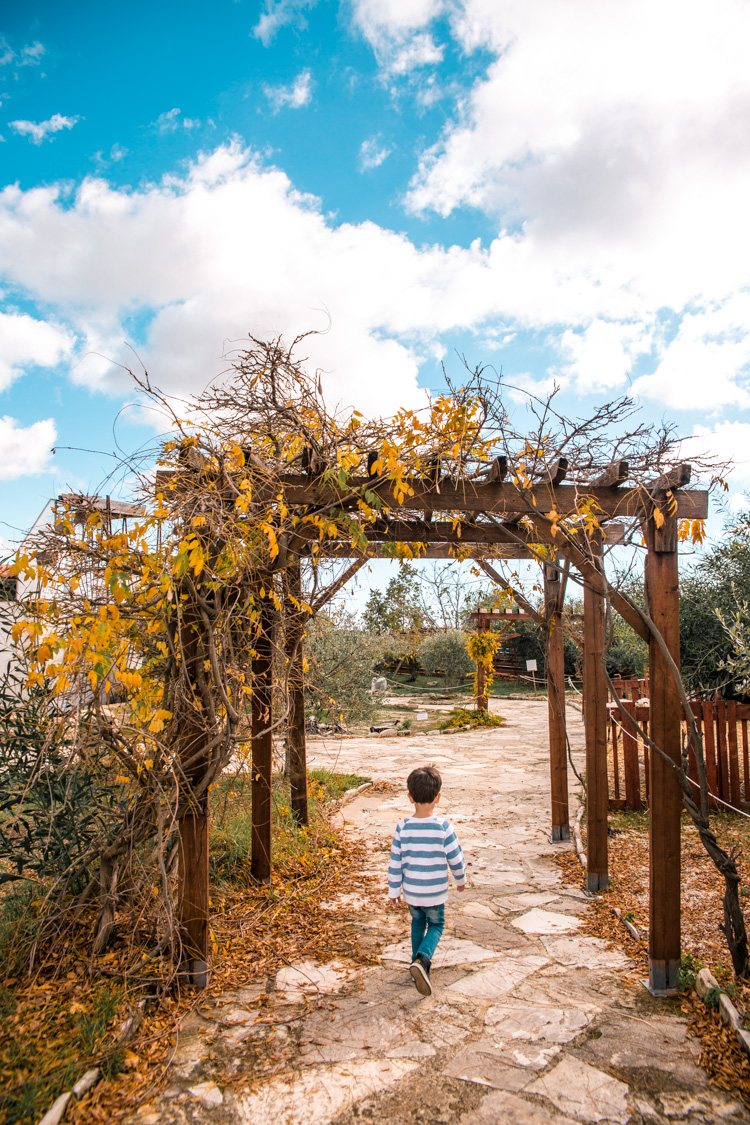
725 738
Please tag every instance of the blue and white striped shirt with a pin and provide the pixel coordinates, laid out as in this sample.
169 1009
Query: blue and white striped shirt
423 847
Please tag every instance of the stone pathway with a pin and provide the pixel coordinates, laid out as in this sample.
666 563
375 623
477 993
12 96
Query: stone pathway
529 1024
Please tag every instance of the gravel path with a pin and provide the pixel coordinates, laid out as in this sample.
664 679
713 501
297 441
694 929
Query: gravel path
529 1023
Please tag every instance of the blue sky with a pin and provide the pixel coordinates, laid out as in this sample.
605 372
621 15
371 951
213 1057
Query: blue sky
557 190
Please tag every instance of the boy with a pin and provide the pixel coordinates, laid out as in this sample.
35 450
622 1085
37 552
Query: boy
424 845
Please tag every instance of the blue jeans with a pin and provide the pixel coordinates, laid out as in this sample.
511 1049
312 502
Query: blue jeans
427 923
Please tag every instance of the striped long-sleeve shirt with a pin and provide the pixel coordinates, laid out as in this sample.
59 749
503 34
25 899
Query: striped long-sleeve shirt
422 850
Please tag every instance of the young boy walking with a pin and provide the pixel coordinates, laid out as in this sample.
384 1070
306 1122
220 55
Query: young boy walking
424 846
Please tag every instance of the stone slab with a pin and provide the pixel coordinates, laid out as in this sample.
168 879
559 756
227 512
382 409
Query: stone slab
586 953
582 1091
539 921
504 1108
553 1025
498 979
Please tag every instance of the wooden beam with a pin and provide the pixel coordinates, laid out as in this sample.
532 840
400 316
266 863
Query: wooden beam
587 570
480 496
665 799
498 470
558 750
431 551
675 478
557 471
614 475
474 496
595 724
517 596
294 619
262 743
339 584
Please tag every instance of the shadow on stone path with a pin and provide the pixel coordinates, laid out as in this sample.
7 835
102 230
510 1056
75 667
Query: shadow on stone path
529 1023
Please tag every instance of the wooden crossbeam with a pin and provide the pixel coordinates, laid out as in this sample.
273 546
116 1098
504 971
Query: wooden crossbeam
496 498
417 531
431 551
475 496
614 475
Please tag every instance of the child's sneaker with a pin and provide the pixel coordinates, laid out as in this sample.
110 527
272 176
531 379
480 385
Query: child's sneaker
420 974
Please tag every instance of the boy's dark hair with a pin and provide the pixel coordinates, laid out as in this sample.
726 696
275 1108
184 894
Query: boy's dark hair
424 784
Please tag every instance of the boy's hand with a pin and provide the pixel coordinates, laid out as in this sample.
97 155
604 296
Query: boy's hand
393 902
461 887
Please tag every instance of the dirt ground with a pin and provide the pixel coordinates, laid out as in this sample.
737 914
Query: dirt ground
532 1022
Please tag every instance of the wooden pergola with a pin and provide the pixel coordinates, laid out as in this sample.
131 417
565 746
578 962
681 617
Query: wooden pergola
564 526
501 521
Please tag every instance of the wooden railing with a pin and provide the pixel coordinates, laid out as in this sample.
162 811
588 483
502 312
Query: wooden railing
723 724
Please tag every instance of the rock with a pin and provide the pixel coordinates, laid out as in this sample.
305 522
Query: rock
729 1013
56 1112
479 910
585 953
743 1038
307 978
316 1095
208 1094
237 1015
546 922
498 979
704 982
584 1092
84 1084
553 1025
416 1050
511 1110
451 951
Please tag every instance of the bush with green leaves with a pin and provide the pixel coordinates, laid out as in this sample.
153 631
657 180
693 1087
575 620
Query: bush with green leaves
54 810
340 663
446 653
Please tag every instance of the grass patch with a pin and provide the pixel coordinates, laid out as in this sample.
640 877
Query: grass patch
460 717
297 852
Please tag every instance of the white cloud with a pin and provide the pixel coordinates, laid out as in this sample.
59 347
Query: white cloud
600 356
24 449
394 30
169 122
372 153
232 248
726 441
25 342
294 96
39 131
278 14
29 55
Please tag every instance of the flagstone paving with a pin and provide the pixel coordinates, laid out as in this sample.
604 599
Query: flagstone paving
529 1023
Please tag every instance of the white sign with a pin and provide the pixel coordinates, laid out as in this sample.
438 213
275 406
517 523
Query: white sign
421 716
531 665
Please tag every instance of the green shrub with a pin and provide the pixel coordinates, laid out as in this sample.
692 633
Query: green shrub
446 652
460 717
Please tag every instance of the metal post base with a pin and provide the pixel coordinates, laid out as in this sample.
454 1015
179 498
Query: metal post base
662 978
596 883
559 832
197 972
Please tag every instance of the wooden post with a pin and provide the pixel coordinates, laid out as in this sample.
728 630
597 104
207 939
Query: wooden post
262 741
555 661
192 825
595 723
482 700
662 599
296 743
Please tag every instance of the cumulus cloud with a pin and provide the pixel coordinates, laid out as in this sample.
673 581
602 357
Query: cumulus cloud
294 96
372 153
170 121
26 342
38 131
278 14
231 248
29 55
394 29
24 449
